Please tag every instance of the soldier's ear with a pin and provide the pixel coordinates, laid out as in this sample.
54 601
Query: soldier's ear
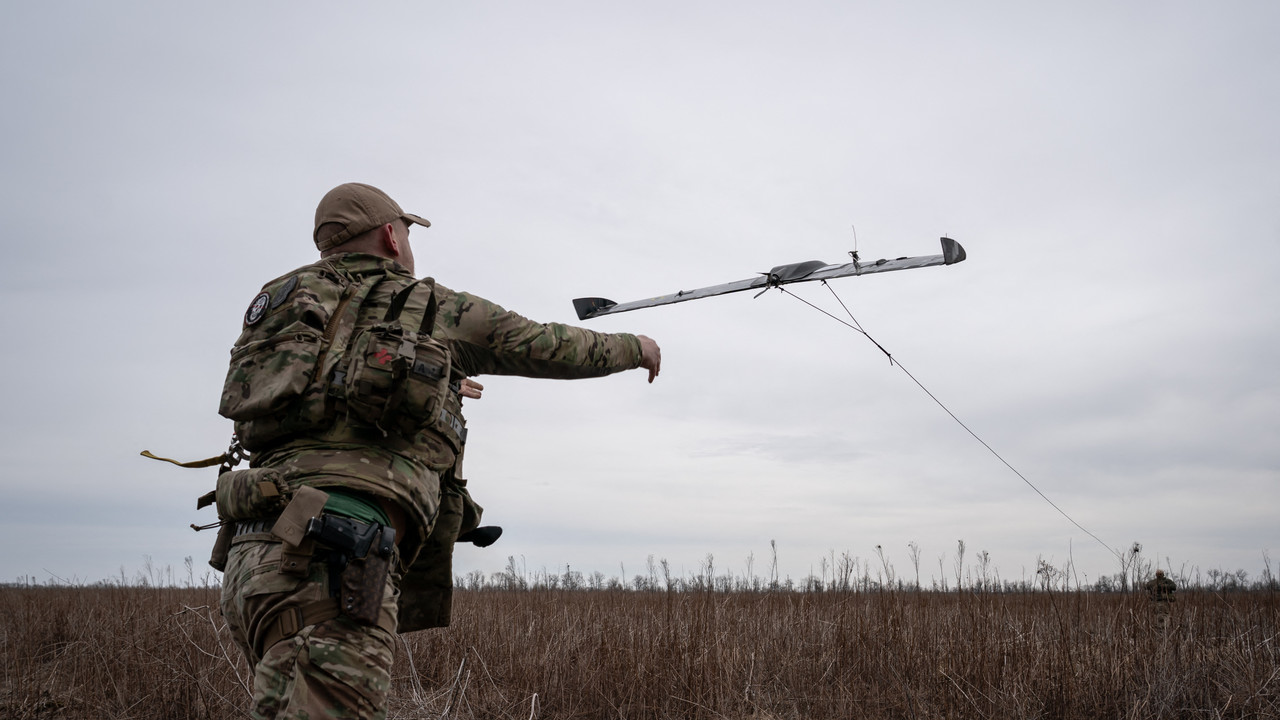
387 241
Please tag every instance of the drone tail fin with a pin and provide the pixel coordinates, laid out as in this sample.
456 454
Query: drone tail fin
952 253
590 306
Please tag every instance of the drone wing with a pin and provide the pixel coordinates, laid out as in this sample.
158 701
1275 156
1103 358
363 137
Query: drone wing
812 270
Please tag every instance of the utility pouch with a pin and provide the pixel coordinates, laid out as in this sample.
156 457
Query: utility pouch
306 504
294 338
250 494
222 546
399 375
267 375
398 380
291 528
243 495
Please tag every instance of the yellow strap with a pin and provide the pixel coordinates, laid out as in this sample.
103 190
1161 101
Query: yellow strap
208 462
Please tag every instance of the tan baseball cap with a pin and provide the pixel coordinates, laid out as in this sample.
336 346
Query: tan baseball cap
358 208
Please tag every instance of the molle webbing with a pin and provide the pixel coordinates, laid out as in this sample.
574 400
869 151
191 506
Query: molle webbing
409 305
337 334
399 380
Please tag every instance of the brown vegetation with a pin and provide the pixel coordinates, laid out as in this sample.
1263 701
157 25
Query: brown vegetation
133 652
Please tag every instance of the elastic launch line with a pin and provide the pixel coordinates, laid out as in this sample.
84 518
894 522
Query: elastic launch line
857 327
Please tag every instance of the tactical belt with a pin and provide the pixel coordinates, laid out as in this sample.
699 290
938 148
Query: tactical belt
252 527
262 526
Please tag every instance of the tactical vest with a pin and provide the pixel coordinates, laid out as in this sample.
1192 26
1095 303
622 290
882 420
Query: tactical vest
304 367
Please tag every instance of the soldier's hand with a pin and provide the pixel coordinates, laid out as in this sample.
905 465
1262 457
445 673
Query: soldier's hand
650 356
470 389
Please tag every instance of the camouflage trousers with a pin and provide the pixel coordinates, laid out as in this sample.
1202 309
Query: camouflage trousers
337 668
1162 614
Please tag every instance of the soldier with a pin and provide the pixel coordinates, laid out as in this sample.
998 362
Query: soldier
345 385
1160 589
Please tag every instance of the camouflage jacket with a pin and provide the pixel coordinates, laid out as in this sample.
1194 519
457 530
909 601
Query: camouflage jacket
1161 589
483 338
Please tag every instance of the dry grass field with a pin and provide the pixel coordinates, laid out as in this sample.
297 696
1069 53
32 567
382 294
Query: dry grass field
146 652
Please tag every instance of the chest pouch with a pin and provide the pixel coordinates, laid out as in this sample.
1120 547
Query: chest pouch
399 373
267 375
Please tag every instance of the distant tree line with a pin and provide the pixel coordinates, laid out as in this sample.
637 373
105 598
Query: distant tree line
833 573
847 573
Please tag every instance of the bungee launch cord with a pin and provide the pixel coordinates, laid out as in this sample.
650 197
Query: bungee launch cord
854 325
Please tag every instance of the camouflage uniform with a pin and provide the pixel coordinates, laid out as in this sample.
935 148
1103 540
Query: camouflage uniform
1161 589
337 667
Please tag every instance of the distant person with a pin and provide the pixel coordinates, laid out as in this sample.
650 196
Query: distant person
345 385
1161 589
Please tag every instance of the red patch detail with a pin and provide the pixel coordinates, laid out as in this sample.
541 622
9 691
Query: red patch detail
382 356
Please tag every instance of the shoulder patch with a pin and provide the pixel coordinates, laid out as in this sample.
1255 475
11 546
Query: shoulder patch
257 308
283 293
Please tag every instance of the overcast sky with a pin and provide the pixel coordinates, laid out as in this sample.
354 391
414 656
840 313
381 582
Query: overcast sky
1109 167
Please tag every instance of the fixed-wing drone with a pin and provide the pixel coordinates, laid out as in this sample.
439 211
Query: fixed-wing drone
952 253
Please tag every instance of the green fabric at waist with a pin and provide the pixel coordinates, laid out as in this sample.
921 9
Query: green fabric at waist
355 505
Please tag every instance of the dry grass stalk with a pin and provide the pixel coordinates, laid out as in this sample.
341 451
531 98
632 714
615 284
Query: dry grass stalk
120 652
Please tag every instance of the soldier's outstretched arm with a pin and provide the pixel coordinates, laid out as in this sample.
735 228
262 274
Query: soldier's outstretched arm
487 339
